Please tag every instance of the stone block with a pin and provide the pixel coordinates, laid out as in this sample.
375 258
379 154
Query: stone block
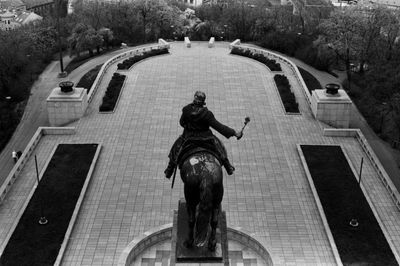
334 110
64 108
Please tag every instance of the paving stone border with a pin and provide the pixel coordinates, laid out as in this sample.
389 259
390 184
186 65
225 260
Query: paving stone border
16 170
164 232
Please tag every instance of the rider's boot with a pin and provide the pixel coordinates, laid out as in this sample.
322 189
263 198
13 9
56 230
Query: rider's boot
229 168
170 169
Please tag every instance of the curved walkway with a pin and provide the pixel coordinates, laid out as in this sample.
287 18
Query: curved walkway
268 196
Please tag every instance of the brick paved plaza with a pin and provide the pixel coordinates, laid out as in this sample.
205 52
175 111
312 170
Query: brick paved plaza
268 197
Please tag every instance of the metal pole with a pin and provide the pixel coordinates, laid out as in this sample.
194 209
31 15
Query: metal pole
42 219
361 166
59 36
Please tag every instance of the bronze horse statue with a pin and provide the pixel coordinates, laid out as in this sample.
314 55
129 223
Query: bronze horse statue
201 174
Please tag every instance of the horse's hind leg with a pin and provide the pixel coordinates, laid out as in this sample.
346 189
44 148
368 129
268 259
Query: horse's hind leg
191 211
212 242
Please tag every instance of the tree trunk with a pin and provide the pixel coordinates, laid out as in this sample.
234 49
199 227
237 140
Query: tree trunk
362 63
348 70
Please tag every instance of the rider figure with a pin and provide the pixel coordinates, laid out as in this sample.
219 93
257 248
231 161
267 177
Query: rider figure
196 120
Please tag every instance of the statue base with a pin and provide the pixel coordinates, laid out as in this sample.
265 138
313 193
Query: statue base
181 254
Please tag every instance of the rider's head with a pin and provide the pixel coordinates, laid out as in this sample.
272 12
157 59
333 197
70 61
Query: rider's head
199 98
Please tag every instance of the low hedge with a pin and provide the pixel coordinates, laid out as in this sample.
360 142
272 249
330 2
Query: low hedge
287 96
112 93
270 63
127 63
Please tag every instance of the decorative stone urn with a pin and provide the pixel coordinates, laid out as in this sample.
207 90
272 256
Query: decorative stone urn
66 86
332 88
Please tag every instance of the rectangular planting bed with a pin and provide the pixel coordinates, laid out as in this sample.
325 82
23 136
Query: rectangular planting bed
342 200
60 194
113 91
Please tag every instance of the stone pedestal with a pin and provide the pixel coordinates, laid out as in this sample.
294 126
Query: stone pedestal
64 108
334 110
181 254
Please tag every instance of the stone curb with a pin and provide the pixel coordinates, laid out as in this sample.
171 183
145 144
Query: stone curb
164 232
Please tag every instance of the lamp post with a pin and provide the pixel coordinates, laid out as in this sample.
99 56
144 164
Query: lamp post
58 7
172 30
226 32
383 105
30 71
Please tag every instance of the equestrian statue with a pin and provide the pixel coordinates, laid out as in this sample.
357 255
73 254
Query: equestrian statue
200 155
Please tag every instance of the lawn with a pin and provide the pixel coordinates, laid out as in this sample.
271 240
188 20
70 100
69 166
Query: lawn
342 200
78 61
311 82
59 189
87 80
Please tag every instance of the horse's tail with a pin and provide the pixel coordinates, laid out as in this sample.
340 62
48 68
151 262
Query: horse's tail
204 212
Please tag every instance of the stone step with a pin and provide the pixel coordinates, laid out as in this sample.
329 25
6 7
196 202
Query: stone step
162 258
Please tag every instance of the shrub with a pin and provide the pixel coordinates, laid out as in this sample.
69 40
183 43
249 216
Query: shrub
287 96
128 63
270 63
112 93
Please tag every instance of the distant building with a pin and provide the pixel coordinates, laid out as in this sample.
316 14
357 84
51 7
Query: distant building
7 21
193 2
388 3
11 20
41 7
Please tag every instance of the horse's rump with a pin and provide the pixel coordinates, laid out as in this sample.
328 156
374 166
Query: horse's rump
202 176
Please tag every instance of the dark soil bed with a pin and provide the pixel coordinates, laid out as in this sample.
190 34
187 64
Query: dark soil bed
60 187
342 200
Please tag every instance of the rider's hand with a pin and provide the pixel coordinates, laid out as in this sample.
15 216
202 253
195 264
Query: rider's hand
239 134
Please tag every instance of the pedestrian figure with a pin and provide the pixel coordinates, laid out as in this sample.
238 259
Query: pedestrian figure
14 156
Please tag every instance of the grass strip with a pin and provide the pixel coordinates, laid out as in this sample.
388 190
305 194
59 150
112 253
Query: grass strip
342 200
87 80
311 82
59 189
